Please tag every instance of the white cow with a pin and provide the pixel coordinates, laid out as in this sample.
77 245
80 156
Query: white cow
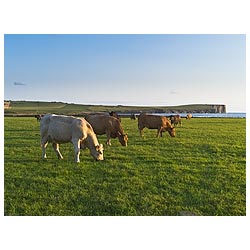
59 129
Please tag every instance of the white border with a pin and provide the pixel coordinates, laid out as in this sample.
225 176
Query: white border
136 17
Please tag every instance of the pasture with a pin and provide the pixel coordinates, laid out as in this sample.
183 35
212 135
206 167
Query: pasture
202 171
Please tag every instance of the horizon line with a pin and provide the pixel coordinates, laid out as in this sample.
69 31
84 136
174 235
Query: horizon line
128 105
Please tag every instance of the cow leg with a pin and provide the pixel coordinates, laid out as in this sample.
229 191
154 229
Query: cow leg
141 131
56 148
76 144
44 143
159 131
108 142
140 127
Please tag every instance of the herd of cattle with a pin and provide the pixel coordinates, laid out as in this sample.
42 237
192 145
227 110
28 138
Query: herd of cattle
81 132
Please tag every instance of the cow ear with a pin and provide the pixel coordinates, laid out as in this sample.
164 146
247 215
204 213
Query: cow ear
99 147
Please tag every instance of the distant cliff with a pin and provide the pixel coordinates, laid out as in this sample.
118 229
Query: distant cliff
192 108
199 108
218 109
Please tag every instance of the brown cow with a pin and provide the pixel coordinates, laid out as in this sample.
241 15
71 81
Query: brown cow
109 125
161 123
175 119
189 116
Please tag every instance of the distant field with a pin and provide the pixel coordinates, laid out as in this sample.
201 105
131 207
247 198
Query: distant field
200 172
36 107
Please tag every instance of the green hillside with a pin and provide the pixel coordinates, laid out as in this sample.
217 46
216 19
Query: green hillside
37 107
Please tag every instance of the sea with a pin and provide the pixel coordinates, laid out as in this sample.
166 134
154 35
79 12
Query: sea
212 115
198 115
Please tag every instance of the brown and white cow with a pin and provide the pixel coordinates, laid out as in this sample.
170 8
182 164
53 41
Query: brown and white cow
59 129
161 123
189 116
109 125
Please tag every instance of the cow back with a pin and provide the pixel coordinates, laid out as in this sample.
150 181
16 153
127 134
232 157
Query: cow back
62 129
151 121
103 123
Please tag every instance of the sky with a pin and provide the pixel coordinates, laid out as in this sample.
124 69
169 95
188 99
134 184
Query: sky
159 70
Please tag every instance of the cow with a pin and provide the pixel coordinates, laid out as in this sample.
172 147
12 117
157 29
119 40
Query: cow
161 123
38 117
59 129
109 125
175 119
189 116
133 117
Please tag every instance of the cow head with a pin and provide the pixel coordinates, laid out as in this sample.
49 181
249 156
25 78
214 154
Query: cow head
123 139
171 131
97 152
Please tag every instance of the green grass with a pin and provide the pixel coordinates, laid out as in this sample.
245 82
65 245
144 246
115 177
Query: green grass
202 171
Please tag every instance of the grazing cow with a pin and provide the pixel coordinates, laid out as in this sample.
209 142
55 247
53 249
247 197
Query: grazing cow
175 119
109 125
189 116
59 129
114 114
38 117
161 123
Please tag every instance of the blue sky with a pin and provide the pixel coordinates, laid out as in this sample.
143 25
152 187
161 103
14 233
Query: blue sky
127 69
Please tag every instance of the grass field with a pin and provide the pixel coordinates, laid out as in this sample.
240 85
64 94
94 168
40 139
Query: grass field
202 171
